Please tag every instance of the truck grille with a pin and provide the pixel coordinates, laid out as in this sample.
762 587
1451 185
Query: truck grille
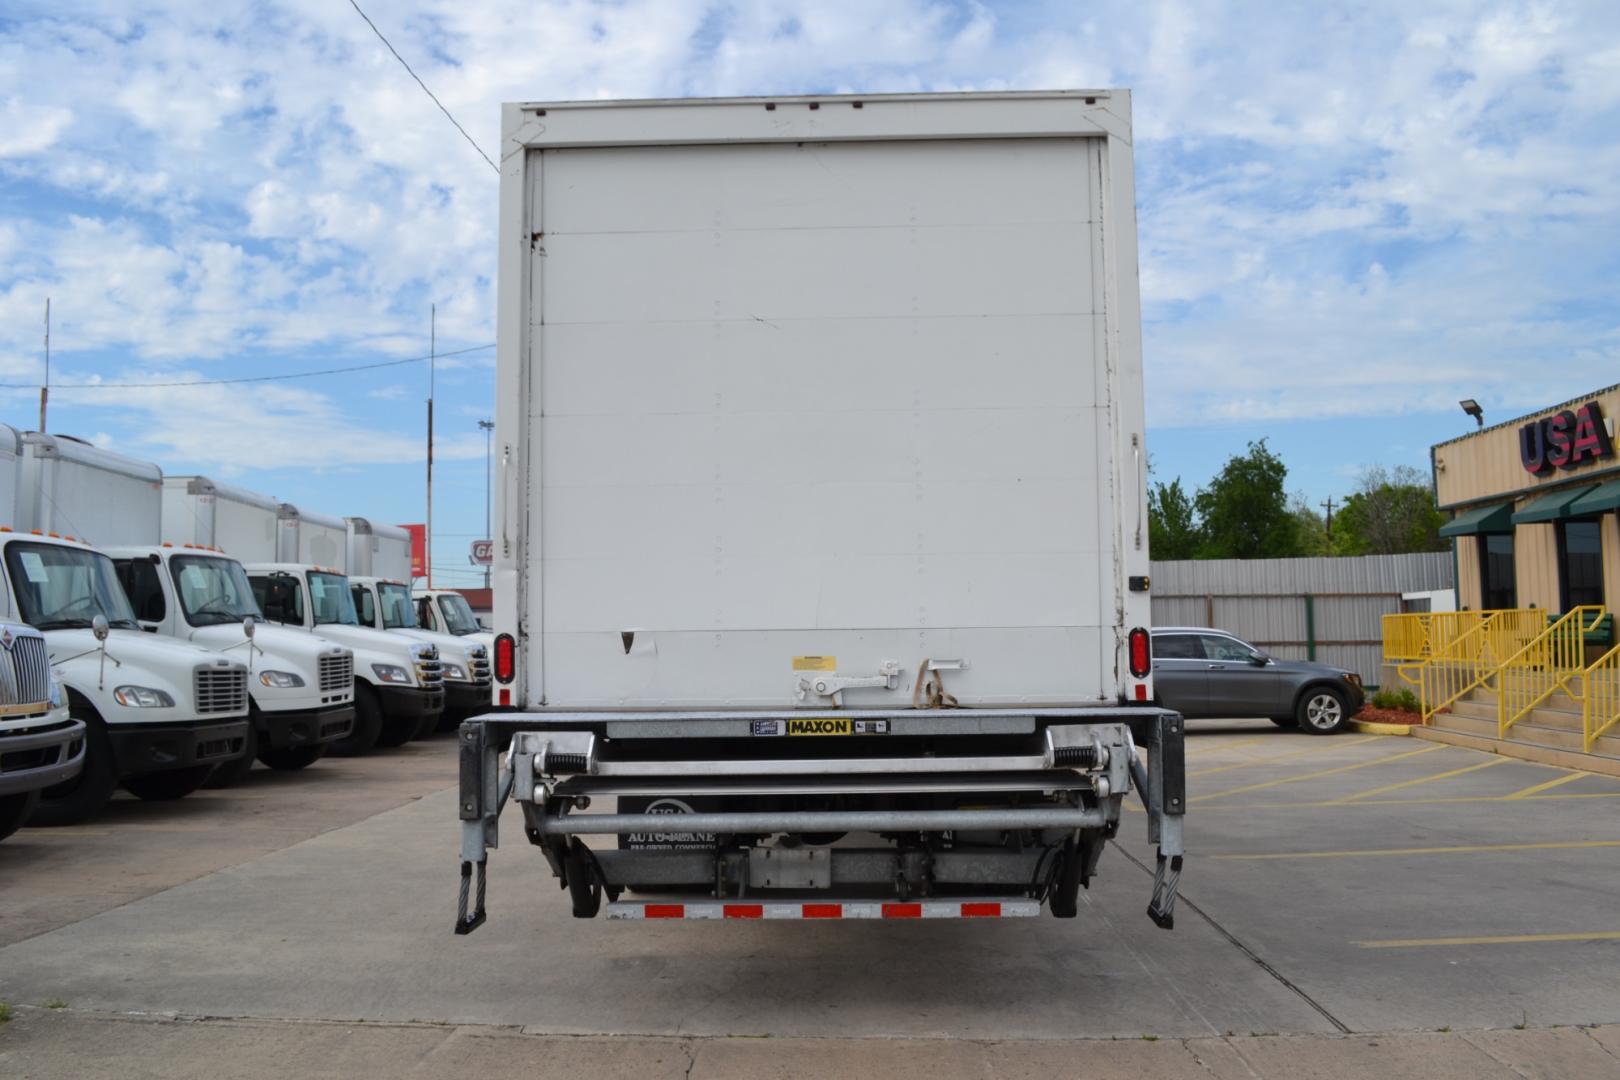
25 671
337 673
428 670
479 656
221 690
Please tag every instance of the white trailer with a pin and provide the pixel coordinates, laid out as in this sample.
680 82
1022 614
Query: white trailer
241 523
377 550
317 539
821 506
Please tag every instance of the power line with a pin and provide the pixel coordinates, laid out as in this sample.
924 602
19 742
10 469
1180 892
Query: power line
424 87
245 378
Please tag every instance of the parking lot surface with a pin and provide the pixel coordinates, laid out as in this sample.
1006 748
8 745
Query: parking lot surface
1349 901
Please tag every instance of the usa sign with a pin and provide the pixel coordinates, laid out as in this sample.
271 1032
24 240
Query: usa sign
1565 440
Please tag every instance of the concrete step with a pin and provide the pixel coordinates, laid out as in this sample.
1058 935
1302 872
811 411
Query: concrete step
1606 763
1540 716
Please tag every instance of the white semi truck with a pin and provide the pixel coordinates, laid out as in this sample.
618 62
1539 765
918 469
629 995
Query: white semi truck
395 685
821 517
448 612
385 604
159 714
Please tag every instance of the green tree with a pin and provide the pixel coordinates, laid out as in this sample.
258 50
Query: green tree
1313 534
1173 528
1391 512
1245 511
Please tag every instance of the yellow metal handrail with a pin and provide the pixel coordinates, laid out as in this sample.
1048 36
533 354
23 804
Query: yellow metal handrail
1406 636
1471 656
1600 698
1548 663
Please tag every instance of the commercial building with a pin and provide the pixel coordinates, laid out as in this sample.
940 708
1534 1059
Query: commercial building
1533 505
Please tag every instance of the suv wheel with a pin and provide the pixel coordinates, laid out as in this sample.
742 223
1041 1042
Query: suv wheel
1322 710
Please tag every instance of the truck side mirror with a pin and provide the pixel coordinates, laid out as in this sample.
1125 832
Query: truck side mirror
248 626
98 627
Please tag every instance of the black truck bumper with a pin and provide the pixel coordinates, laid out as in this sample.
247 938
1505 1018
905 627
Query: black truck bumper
466 698
143 748
410 702
287 730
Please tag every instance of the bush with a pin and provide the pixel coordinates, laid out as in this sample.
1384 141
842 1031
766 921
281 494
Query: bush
1401 700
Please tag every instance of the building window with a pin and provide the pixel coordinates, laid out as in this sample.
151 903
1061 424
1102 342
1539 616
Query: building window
1580 563
1499 586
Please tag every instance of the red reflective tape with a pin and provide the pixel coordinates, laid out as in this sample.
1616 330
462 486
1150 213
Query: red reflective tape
1141 691
744 911
981 911
664 911
902 911
824 911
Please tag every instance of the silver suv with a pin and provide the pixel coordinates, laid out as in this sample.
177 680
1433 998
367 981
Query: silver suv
1204 673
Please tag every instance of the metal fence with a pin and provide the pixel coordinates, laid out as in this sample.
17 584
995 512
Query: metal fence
1324 609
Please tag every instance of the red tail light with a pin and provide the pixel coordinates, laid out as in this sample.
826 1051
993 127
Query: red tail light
1141 653
505 658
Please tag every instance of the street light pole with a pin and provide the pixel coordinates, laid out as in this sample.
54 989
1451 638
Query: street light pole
489 528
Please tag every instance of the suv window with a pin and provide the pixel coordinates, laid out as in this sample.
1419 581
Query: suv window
1225 648
1176 647
139 578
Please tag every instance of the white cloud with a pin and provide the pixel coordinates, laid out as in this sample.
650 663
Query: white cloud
29 129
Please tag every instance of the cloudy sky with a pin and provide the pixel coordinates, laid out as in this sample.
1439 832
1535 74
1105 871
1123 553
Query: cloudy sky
1350 216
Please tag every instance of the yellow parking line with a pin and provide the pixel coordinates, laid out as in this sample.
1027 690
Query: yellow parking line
1330 745
1319 773
1425 779
1529 791
1205 751
1458 849
1500 939
1337 804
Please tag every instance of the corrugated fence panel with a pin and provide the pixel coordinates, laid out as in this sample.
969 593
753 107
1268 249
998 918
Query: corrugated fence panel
1264 601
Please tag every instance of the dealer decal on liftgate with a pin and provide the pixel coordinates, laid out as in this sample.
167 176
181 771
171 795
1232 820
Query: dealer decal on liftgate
1565 440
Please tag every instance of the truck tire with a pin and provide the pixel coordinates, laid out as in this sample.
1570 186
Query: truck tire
428 725
583 887
1322 710
14 810
368 722
167 785
82 797
1065 899
397 730
230 773
293 758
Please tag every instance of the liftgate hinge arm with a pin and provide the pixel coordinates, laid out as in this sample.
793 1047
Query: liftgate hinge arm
483 789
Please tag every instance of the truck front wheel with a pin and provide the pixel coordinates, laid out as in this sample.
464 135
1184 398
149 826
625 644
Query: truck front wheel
168 784
14 810
368 721
293 758
82 797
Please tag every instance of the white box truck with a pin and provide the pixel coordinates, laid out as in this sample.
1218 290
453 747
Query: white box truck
159 714
448 612
385 604
377 550
821 521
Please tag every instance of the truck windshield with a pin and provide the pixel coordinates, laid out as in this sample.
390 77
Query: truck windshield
458 615
59 588
330 600
397 610
212 590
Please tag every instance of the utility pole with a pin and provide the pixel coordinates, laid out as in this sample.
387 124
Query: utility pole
433 364
45 389
1329 506
489 527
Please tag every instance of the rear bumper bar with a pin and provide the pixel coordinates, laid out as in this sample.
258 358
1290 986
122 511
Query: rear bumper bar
879 821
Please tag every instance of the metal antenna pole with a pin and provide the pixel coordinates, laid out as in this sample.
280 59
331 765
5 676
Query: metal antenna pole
45 390
489 527
433 363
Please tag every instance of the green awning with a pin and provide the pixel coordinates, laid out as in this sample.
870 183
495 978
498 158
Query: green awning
1600 501
1497 518
1553 507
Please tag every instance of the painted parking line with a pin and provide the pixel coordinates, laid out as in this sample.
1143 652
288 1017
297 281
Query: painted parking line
1205 751
1263 785
1494 939
1326 746
1452 849
1425 779
1554 782
1336 804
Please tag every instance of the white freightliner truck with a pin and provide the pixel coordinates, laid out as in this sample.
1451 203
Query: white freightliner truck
159 714
448 612
821 520
380 578
396 686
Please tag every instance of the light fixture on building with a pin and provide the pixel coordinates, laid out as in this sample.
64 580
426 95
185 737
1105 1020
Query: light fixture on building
1471 407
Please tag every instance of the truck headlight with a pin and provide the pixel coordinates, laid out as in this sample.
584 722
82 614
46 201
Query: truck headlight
280 680
391 674
142 697
453 671
55 693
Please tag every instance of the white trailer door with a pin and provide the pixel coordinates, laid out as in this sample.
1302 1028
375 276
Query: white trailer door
820 406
